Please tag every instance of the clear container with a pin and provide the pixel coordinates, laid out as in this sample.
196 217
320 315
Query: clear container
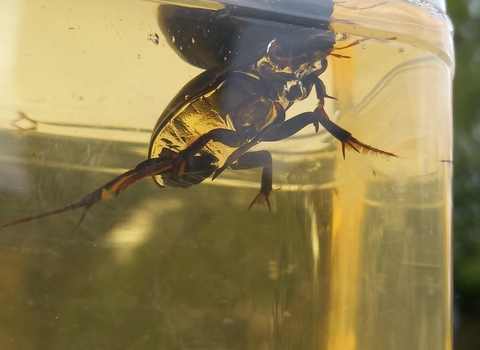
355 253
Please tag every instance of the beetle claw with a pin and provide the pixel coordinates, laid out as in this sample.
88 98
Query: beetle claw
85 211
261 198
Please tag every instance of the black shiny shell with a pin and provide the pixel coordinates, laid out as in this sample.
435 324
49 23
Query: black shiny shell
240 31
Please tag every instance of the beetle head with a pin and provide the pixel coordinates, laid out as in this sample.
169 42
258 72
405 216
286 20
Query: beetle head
300 51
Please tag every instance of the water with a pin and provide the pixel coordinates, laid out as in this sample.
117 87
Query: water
354 255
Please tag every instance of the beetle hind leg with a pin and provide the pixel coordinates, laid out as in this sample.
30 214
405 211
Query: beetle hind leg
114 187
102 193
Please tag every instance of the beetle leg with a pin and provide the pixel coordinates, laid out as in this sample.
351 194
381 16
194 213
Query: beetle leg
202 165
254 160
264 134
227 137
292 126
105 192
297 123
345 137
241 160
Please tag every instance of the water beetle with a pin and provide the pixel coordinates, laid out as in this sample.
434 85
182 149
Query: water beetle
258 64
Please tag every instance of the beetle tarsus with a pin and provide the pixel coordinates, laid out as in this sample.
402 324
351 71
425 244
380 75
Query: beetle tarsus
87 201
360 147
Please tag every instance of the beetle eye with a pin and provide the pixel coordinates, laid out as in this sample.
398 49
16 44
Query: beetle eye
276 52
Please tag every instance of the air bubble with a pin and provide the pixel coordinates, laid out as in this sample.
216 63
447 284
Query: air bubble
154 38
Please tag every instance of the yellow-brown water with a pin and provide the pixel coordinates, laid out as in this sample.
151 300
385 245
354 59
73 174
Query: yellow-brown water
354 255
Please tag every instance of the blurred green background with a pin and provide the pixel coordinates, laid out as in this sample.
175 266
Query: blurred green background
465 15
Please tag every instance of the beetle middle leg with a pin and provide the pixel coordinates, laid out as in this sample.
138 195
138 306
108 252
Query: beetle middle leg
255 160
